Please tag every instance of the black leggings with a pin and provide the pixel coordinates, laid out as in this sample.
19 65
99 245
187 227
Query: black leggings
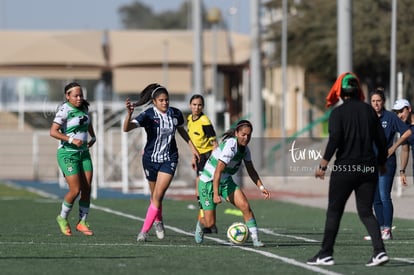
341 186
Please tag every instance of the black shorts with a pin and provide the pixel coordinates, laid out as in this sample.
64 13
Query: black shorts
203 159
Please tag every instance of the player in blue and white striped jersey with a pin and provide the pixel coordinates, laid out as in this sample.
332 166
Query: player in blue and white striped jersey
160 157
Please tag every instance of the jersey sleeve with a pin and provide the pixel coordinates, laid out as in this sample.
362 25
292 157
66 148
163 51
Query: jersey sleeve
228 151
61 116
142 119
179 116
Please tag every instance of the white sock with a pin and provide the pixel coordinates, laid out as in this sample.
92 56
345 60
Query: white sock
66 208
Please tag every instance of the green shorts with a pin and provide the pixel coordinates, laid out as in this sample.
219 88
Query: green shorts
205 191
73 162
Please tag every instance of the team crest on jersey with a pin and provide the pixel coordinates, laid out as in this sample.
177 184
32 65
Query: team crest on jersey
384 124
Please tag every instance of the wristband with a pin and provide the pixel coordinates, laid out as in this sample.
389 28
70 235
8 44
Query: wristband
261 187
70 140
323 168
402 171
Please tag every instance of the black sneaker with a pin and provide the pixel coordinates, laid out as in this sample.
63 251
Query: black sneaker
210 230
379 259
317 260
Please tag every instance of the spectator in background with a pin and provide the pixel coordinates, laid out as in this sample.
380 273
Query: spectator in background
391 124
403 110
71 126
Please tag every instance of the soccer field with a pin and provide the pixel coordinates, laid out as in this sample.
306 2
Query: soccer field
31 243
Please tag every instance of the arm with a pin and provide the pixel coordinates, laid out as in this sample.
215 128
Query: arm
92 134
405 152
128 124
255 178
216 181
183 133
400 141
57 134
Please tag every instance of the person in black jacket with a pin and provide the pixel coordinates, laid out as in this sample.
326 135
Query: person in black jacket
356 135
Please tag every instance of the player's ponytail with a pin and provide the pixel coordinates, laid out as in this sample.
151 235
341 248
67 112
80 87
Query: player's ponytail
149 93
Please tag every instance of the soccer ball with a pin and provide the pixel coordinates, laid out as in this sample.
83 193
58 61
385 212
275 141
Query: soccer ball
237 233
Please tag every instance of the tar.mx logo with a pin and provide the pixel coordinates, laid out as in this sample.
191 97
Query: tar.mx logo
304 153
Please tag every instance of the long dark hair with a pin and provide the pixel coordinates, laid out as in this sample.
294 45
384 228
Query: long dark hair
232 132
152 91
69 86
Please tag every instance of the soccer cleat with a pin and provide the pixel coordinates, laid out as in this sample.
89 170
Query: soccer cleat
258 243
328 260
64 226
142 237
199 234
159 229
367 238
380 259
386 234
83 227
214 229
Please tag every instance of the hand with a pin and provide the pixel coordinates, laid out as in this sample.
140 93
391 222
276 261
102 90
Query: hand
217 199
319 173
391 150
403 179
266 193
77 142
129 106
194 163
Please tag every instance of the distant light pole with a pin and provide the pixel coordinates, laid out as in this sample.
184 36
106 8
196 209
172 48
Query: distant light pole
214 18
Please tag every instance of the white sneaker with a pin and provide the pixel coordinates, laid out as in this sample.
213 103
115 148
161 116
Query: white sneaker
142 237
258 243
321 261
379 259
159 229
386 234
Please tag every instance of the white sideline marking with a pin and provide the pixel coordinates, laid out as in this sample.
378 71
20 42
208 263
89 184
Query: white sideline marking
175 229
264 253
405 260
270 232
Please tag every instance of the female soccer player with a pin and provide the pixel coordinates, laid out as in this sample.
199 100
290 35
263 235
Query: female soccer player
71 126
160 156
216 180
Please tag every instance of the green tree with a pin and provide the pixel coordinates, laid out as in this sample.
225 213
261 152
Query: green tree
312 39
139 16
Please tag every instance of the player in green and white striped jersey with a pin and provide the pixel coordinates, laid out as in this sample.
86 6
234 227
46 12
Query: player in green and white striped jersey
71 126
216 182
